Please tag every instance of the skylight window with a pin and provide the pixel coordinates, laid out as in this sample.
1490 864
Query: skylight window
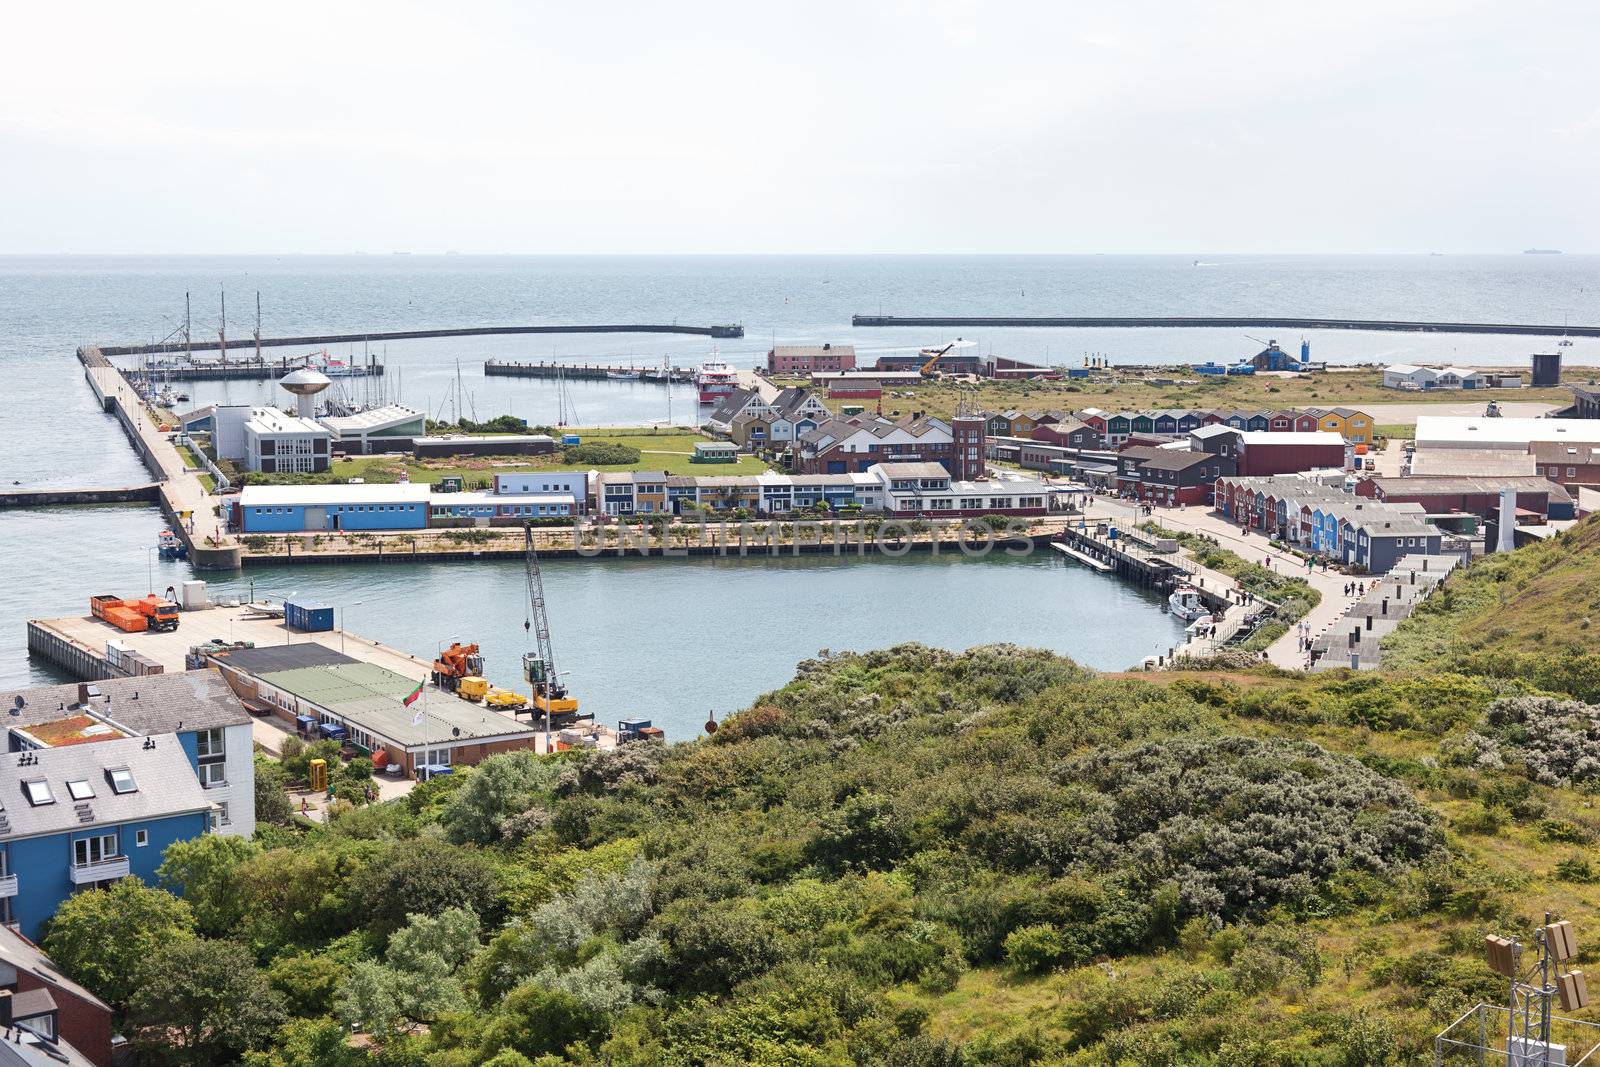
80 790
122 780
38 792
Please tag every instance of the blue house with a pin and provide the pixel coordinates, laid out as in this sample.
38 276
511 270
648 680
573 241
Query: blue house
82 816
329 508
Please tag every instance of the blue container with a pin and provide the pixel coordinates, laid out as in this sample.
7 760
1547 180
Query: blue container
308 616
571 439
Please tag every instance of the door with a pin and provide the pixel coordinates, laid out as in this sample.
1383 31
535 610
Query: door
316 519
836 466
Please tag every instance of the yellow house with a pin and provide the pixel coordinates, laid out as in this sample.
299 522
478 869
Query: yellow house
1354 426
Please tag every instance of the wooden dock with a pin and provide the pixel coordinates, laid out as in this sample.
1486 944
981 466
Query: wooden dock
1082 557
494 368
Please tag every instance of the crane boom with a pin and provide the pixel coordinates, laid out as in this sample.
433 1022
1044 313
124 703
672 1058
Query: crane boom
927 368
539 666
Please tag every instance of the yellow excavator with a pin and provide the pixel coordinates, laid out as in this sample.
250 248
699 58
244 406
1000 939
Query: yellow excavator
550 697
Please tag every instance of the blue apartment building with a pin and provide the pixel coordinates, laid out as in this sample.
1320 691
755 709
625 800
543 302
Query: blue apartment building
81 816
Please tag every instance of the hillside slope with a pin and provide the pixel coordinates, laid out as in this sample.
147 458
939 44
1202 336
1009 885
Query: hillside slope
1532 614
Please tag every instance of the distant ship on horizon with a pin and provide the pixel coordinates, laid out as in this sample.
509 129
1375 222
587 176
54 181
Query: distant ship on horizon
1541 251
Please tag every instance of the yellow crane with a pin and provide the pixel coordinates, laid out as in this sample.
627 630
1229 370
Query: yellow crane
539 666
927 370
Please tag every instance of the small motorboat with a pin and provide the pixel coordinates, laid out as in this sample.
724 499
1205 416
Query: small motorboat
264 609
170 546
1186 604
623 375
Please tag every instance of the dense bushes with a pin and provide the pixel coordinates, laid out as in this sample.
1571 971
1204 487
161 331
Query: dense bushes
600 453
889 835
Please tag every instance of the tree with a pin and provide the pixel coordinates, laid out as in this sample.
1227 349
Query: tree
501 786
536 1021
201 870
309 1043
423 877
418 979
203 1002
272 800
102 938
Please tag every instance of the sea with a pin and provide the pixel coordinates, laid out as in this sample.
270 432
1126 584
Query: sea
674 640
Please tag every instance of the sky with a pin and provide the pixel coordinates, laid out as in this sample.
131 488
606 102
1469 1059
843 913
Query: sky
870 126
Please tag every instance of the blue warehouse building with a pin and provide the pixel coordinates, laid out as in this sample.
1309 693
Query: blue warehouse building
329 508
81 816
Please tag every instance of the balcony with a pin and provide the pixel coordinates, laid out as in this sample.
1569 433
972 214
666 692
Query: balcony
214 785
8 885
106 870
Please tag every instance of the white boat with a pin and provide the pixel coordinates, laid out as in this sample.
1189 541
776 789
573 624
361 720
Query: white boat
264 609
623 375
1186 604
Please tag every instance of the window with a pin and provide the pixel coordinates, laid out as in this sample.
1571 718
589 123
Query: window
80 790
97 849
213 774
141 838
1572 472
209 743
121 780
38 792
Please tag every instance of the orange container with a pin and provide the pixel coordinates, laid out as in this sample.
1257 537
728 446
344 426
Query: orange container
126 619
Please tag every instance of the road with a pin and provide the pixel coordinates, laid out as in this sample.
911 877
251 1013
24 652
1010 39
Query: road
1253 547
1394 414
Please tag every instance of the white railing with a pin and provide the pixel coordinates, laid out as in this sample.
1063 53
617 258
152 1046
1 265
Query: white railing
106 870
8 886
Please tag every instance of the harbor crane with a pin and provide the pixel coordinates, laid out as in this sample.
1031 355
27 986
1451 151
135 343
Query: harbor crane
539 666
927 370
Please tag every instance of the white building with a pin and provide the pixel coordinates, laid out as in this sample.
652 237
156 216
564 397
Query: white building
574 484
1439 431
386 429
1407 376
279 443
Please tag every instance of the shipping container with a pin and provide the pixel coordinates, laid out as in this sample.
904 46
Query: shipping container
308 616
126 619
116 654
138 665
104 602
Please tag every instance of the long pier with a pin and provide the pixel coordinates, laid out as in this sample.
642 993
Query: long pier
494 368
732 330
213 370
1232 322
40 498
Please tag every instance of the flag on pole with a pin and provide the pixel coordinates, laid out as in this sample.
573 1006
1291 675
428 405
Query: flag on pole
415 693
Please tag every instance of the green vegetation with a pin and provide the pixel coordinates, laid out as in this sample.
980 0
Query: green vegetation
1518 615
1403 431
922 859
600 454
1140 387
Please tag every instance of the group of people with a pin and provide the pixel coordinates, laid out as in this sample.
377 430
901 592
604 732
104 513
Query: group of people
1355 589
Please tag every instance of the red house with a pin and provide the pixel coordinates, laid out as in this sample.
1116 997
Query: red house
1290 452
38 998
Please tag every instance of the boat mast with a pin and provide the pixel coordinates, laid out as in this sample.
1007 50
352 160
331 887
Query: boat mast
222 330
258 325
188 350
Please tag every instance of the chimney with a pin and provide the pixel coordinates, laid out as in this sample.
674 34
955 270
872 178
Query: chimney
5 1008
83 694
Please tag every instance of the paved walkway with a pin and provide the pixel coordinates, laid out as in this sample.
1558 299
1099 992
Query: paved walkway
1253 547
180 483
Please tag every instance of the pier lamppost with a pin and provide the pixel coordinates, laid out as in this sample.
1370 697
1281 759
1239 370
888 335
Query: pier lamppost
357 604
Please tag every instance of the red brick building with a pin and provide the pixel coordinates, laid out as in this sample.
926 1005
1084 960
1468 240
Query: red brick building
790 360
35 996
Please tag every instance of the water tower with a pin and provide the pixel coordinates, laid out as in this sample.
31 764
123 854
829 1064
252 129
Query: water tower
305 384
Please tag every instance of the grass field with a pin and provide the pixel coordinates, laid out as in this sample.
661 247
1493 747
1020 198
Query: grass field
665 450
1335 388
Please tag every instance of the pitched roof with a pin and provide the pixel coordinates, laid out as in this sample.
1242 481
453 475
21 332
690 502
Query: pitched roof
913 470
148 704
1168 459
21 954
165 786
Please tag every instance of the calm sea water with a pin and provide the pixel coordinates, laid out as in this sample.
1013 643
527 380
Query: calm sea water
673 640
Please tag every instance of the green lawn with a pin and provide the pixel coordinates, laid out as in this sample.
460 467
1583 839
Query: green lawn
660 450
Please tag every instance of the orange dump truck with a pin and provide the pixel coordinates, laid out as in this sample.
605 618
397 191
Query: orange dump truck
133 616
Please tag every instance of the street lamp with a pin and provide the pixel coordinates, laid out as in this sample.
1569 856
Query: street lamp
357 604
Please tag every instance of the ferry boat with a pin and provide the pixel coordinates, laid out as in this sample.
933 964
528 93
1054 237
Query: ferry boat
1186 604
715 380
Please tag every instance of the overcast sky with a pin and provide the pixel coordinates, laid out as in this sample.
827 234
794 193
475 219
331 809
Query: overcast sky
861 126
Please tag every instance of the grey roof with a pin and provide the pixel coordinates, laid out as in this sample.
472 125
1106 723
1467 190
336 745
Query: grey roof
32 1003
166 786
21 954
1213 429
732 404
149 704
1170 459
22 1048
265 658
914 470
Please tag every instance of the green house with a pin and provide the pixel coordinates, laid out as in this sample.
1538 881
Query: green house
715 452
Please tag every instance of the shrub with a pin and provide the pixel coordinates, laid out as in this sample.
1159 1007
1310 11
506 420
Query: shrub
600 454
